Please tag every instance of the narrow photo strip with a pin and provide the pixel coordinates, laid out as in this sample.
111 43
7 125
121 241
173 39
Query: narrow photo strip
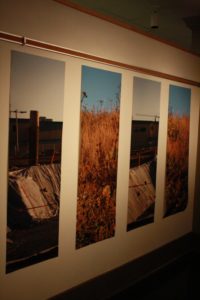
97 175
34 159
176 181
143 152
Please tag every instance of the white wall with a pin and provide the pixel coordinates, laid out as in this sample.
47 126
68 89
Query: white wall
51 22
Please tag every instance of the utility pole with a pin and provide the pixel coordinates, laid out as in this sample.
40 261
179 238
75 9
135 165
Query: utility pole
34 137
16 112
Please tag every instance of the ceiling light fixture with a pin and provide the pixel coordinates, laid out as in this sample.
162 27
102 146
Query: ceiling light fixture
154 21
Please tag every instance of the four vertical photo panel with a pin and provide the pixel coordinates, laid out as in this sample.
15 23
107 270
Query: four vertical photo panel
35 143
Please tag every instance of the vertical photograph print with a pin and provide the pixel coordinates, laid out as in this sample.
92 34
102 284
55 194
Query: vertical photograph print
34 159
143 152
176 180
97 175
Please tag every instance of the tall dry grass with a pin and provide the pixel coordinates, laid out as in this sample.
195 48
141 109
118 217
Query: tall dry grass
97 176
176 196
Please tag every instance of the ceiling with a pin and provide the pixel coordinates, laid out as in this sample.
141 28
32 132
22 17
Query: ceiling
178 20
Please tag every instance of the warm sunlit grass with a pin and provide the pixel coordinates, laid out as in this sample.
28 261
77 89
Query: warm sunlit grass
97 176
177 163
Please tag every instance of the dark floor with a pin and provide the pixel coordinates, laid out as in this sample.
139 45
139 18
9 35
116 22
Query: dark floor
171 272
177 281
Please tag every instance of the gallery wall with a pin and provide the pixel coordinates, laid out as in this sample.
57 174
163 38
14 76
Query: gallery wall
51 22
60 25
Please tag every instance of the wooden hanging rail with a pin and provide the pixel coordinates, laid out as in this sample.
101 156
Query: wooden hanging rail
25 41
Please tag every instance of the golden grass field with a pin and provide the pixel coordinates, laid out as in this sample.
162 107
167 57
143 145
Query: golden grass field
176 196
97 176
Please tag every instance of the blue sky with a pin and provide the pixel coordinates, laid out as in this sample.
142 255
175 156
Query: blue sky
146 99
101 87
179 100
37 83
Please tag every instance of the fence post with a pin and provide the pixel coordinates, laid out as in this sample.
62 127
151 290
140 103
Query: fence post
34 137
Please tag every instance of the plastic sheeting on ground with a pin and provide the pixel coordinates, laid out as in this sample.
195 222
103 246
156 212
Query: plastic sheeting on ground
38 187
141 192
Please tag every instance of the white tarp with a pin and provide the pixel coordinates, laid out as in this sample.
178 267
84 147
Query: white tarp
38 188
141 192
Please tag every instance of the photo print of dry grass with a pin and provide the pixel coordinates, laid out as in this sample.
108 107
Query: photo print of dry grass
143 152
99 132
176 185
